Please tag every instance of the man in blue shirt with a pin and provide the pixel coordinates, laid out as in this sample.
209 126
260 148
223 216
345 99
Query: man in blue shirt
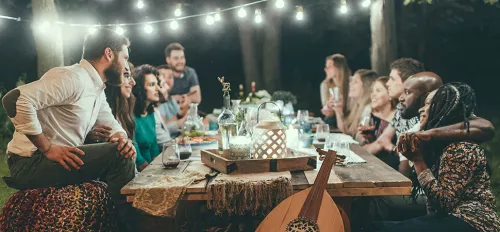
186 83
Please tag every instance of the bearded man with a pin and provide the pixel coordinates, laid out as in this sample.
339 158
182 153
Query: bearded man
53 115
186 88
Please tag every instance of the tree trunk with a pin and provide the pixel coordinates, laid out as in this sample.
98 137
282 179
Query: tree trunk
250 65
272 50
48 41
383 29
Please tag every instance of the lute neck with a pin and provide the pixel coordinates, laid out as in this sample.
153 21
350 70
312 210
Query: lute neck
312 204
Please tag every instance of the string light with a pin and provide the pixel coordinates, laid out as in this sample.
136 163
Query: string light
43 26
178 11
174 25
92 30
120 30
365 3
280 4
258 16
140 4
300 13
148 28
242 13
217 15
210 20
343 8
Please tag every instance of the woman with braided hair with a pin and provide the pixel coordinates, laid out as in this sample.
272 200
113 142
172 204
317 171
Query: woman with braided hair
453 175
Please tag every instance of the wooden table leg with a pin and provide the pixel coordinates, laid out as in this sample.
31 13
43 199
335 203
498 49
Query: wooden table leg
344 205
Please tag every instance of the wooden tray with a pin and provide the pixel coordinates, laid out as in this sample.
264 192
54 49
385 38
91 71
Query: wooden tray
295 161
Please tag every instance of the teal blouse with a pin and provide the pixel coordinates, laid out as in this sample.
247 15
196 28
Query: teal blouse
145 139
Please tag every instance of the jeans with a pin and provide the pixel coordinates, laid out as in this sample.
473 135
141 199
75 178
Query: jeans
101 161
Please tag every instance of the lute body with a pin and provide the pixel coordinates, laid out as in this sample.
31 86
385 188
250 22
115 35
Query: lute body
311 209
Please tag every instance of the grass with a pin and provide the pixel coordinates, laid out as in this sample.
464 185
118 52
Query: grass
5 191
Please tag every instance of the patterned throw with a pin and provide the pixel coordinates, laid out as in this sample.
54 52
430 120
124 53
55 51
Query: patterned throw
249 193
82 207
161 197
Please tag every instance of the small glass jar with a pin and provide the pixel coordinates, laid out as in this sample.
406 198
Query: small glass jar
170 155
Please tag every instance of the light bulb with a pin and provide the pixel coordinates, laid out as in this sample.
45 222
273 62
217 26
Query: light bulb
242 13
299 16
92 30
280 4
258 16
217 15
210 20
140 4
43 26
343 9
178 11
174 25
148 28
119 30
365 3
300 13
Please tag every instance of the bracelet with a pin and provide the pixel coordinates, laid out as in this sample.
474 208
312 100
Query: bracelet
47 149
179 116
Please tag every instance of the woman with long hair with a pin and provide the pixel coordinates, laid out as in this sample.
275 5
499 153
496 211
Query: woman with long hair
146 94
337 75
454 175
121 101
359 92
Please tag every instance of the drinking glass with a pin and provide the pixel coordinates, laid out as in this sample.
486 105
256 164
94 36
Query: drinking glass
170 155
184 150
343 148
302 116
367 125
322 131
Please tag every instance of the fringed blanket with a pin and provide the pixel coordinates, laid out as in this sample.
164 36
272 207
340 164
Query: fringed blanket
249 193
161 197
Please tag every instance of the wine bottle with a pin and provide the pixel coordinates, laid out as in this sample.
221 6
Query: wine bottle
251 94
241 97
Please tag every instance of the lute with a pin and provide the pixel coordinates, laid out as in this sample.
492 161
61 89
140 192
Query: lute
311 209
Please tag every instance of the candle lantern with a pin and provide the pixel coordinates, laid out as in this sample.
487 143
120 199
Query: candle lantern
269 138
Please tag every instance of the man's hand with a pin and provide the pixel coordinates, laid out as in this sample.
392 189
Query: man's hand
185 102
125 146
99 133
65 155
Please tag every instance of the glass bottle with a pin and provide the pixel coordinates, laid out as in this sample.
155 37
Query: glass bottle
227 125
194 124
241 97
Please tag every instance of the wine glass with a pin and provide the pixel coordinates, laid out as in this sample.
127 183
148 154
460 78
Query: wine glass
322 131
367 125
170 155
184 150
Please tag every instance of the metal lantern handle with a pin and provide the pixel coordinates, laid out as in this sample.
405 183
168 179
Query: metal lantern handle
258 110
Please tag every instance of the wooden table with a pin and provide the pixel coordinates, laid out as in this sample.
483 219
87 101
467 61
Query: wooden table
373 178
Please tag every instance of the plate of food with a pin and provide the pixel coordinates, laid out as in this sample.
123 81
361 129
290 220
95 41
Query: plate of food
198 140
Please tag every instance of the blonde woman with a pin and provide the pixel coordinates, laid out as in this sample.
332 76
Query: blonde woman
337 75
359 92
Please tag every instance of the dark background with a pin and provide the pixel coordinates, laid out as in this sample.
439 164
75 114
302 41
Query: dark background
459 41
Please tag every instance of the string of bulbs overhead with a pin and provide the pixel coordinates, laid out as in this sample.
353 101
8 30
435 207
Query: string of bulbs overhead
211 18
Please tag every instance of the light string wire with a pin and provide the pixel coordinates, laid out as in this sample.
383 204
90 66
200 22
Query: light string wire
19 19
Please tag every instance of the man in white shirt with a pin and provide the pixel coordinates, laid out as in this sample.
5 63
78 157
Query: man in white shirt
53 116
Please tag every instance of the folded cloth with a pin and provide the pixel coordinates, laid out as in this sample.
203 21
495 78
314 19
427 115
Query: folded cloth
249 193
161 197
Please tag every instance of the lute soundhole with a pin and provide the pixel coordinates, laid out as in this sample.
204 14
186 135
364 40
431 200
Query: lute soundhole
302 224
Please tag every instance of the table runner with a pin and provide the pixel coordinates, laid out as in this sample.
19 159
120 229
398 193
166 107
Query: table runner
162 196
255 193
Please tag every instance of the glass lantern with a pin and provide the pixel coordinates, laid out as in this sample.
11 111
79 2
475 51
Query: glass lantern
268 139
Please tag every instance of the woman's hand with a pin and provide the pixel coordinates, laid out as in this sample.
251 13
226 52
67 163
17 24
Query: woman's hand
410 146
327 111
367 132
336 106
99 133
